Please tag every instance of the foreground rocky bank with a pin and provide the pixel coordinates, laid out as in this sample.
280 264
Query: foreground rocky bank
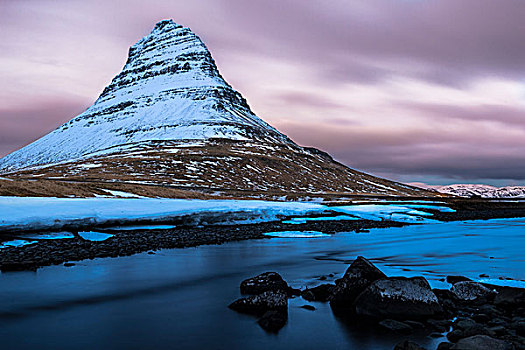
472 315
47 252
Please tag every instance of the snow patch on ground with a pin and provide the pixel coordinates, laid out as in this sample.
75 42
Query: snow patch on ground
45 213
140 227
16 243
303 220
94 236
297 234
49 235
378 212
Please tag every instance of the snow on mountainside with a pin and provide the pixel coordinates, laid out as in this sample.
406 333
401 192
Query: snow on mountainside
484 191
169 120
169 89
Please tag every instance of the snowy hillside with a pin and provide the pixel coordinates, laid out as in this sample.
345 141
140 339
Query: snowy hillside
169 89
484 191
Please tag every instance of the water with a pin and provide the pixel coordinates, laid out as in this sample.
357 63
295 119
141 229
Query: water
178 298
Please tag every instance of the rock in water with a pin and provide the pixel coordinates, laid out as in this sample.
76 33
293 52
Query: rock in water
408 345
398 298
319 293
396 326
510 298
356 279
481 342
259 304
272 306
273 321
472 292
268 281
456 279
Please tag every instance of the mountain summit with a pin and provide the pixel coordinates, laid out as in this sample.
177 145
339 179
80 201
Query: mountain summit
169 89
169 119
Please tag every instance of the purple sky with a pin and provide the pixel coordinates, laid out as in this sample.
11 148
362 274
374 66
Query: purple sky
415 90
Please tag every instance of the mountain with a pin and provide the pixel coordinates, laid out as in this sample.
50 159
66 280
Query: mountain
484 191
169 119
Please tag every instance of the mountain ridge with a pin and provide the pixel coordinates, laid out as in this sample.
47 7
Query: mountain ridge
480 190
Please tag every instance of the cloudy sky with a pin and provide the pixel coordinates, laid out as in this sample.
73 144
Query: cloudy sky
426 91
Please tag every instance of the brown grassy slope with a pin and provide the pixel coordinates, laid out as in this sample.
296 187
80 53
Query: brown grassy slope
215 169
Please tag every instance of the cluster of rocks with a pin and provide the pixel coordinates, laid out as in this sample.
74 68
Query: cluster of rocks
471 314
268 299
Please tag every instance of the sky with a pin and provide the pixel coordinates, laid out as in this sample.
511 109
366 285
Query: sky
427 91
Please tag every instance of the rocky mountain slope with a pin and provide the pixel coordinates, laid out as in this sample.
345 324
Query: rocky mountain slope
170 120
484 191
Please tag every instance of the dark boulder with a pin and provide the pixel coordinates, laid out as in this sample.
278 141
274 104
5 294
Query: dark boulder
439 325
481 342
398 298
19 266
472 292
445 346
273 320
268 281
408 345
456 279
396 326
510 298
319 293
308 307
259 304
468 327
356 279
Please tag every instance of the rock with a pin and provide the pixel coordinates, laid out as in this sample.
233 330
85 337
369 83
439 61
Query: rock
498 331
398 298
19 266
259 304
439 325
482 318
414 324
456 279
408 345
273 321
455 335
445 346
510 298
472 292
268 281
356 279
319 293
483 275
69 264
481 342
396 326
469 327
520 328
308 307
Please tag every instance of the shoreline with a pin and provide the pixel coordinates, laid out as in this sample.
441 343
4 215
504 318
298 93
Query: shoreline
46 252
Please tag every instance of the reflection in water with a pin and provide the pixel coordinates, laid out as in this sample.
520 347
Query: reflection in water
179 297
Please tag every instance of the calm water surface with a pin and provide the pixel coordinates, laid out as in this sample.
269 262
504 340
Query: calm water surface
178 298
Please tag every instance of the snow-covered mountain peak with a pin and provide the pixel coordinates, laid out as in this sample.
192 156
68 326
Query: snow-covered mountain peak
169 90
